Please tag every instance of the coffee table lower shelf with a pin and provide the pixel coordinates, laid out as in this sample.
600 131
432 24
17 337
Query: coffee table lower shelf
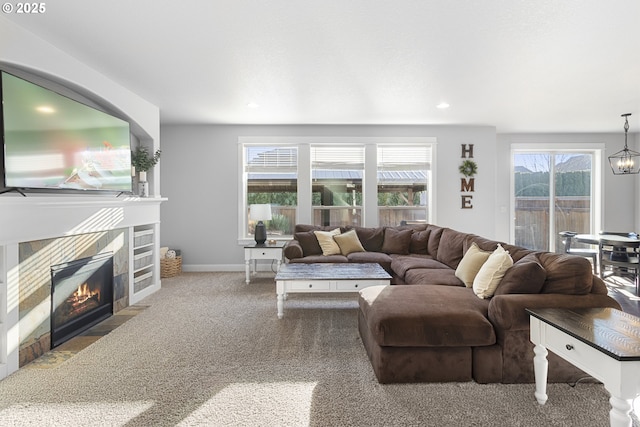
326 278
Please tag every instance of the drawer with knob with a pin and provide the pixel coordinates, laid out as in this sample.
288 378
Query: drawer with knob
572 349
309 285
266 254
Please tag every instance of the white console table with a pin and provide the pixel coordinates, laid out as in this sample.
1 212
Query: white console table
255 252
603 342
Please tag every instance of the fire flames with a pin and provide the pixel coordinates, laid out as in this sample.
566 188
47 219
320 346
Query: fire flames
83 295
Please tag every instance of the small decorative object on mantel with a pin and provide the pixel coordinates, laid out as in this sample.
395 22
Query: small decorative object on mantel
468 168
142 161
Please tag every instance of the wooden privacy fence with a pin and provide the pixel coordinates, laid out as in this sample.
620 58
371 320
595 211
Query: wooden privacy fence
532 220
343 216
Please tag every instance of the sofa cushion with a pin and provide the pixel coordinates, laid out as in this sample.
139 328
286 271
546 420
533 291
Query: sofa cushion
419 241
471 263
566 274
491 273
451 248
348 242
371 238
403 263
293 249
374 257
516 252
415 316
432 276
396 241
484 244
435 234
328 245
309 243
525 276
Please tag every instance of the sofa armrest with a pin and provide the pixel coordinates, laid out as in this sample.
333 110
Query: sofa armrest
293 249
507 312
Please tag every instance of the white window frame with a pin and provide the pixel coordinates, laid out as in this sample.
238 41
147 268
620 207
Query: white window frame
304 211
597 205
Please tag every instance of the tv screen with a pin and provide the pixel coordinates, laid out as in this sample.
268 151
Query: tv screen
56 143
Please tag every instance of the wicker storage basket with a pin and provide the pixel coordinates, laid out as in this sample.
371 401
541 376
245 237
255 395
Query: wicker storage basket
170 267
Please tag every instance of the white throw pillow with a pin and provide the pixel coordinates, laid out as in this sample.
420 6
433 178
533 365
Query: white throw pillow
327 244
470 264
491 273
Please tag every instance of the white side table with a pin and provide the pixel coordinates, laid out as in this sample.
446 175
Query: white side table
274 252
603 342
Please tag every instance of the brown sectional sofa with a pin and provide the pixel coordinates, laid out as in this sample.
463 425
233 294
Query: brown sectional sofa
429 327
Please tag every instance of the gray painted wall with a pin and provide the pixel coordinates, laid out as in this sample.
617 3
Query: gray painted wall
200 170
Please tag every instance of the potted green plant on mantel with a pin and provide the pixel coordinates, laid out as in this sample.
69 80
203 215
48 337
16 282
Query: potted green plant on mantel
142 161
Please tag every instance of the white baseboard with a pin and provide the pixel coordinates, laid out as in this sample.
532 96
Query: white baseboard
222 267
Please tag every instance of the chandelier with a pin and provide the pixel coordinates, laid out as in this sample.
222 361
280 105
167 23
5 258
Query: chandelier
625 161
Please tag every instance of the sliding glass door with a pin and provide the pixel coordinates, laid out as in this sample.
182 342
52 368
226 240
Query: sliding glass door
553 192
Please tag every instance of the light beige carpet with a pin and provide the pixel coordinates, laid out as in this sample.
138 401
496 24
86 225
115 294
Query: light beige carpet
210 351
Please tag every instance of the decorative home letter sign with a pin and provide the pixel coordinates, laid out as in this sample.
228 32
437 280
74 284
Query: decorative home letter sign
468 168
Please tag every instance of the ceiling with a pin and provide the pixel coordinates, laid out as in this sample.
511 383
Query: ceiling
519 65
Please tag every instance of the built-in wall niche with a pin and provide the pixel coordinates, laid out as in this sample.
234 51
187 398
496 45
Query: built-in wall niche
35 261
143 257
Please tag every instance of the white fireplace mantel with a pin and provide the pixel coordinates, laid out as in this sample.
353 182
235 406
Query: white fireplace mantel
38 217
24 219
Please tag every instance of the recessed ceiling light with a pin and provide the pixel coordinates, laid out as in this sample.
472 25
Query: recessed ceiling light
442 105
252 105
45 109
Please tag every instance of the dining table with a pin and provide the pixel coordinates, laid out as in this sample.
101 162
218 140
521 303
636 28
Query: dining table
619 258
594 239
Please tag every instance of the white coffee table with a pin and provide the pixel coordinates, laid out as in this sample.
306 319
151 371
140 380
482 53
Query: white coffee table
326 278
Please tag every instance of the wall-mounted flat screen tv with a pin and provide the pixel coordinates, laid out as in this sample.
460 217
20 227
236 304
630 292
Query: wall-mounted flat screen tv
52 142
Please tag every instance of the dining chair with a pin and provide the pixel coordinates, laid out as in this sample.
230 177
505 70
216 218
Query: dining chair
592 254
620 259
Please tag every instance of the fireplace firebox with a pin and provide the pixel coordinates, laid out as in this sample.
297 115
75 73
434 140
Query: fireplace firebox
81 296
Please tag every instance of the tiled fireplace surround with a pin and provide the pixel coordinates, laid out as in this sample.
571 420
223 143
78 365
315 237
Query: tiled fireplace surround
37 232
35 261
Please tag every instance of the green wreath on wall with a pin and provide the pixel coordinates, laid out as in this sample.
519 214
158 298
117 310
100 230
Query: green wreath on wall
468 168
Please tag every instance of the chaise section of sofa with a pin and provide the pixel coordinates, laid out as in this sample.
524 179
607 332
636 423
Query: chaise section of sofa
412 334
428 312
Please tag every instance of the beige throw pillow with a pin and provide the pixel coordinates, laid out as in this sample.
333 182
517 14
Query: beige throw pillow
328 245
470 264
491 273
348 242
